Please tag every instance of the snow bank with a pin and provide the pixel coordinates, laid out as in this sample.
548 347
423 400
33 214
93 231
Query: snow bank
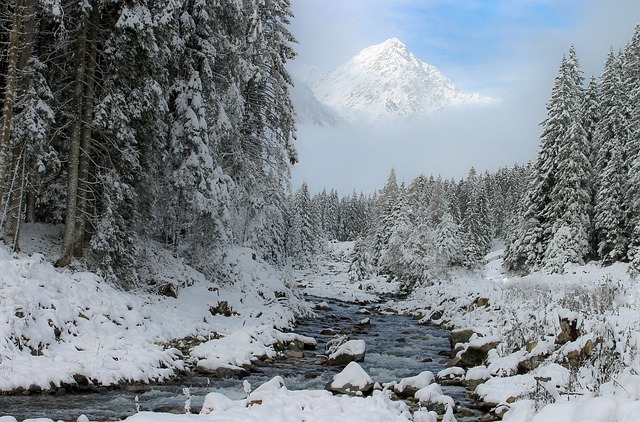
330 279
559 337
275 402
58 328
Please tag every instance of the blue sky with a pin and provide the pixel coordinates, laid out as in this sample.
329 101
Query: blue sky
509 49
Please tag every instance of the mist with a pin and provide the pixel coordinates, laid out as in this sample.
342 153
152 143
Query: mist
360 157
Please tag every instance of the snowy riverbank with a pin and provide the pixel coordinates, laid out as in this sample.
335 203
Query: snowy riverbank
564 345
551 347
71 330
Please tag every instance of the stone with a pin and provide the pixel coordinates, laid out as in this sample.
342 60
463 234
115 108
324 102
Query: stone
474 355
436 315
35 389
480 302
353 380
221 371
350 351
460 336
81 380
296 354
322 306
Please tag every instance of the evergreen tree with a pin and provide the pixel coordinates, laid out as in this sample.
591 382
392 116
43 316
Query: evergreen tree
475 222
303 235
385 222
559 197
610 133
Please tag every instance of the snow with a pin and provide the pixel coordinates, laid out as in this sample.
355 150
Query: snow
478 373
387 81
523 314
419 381
351 347
433 394
353 375
276 403
55 324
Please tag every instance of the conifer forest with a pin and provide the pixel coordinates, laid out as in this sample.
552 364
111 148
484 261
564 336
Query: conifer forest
151 232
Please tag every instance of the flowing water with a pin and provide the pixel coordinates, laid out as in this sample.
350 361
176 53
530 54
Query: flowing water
397 347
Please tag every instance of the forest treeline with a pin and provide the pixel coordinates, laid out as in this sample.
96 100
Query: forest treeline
128 121
579 201
136 119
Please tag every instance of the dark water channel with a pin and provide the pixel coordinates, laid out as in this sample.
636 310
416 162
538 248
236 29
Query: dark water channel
397 347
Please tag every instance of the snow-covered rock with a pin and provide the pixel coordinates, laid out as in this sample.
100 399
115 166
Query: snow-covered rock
352 380
432 397
216 402
350 351
407 387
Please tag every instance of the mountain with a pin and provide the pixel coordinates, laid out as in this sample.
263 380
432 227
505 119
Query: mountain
308 109
386 81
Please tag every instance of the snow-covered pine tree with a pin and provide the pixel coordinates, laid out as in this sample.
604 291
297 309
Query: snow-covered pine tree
386 201
332 216
438 204
266 149
419 197
361 266
559 195
398 258
571 197
448 242
610 169
476 226
303 236
631 83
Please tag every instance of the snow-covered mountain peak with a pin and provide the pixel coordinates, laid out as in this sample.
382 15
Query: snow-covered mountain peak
388 81
389 50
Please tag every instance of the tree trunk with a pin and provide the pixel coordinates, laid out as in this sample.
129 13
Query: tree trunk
70 231
10 89
17 170
85 142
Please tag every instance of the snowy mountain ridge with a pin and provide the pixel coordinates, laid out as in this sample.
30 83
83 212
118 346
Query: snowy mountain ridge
387 81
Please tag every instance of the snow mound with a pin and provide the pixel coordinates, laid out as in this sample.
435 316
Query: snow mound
352 376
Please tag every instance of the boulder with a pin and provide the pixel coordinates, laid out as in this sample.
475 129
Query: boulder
350 351
220 370
432 398
474 355
322 306
408 387
460 336
353 380
480 302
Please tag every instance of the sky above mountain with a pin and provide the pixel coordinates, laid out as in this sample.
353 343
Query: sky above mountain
507 49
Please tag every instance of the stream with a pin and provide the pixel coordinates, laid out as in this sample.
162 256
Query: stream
397 347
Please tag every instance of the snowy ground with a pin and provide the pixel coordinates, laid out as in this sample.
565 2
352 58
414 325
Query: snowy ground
567 344
55 325
60 328
329 278
536 373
